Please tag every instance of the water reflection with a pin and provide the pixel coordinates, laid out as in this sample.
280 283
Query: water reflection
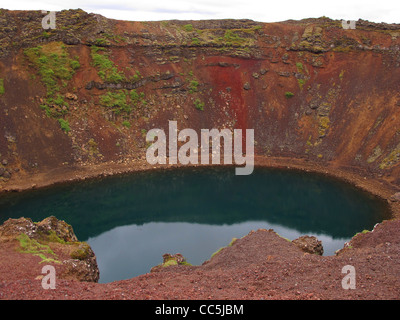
128 251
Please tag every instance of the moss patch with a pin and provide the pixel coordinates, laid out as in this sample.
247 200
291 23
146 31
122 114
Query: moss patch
35 248
170 263
324 124
391 159
2 87
199 105
376 153
107 71
82 252
116 101
53 237
53 64
55 68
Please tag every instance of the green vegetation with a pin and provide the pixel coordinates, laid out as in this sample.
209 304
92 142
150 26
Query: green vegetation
75 64
193 83
137 97
232 241
126 123
59 100
170 263
117 101
134 95
324 124
107 71
93 149
199 105
342 49
46 34
1 86
301 83
376 153
301 69
55 69
122 102
172 260
55 107
42 250
218 251
240 38
195 41
32 246
53 65
309 143
82 252
100 60
362 232
136 77
289 94
107 40
102 42
391 159
232 38
193 86
64 125
299 66
188 27
53 237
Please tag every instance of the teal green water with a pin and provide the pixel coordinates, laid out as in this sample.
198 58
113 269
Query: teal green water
132 220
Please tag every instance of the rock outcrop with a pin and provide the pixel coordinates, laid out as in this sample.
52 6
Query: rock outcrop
170 260
309 244
55 242
395 197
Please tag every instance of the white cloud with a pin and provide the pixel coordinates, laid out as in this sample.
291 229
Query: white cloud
259 10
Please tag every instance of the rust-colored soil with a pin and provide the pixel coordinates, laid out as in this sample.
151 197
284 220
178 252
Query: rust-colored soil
261 265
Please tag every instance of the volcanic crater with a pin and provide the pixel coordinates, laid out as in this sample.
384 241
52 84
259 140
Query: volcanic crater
77 101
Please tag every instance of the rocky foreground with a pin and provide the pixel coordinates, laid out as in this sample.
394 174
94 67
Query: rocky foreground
261 265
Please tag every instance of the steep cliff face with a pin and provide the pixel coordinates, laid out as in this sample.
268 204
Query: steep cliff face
89 90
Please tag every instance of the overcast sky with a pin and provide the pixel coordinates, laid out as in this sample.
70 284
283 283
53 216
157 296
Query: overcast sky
258 10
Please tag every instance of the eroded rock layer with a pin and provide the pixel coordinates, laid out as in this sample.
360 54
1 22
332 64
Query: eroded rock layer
89 90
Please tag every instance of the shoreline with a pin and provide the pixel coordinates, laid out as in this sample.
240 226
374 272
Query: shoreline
371 247
70 174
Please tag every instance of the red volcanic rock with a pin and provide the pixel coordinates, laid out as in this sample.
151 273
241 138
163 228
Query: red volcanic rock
50 241
395 197
309 244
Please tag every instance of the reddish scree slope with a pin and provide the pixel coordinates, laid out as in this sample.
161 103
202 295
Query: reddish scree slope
344 109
